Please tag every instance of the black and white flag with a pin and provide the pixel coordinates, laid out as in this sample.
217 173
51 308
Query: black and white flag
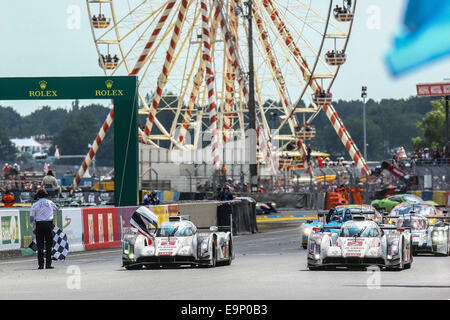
60 247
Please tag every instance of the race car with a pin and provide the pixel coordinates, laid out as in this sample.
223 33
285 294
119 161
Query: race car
265 207
360 243
423 208
337 216
387 204
175 242
427 238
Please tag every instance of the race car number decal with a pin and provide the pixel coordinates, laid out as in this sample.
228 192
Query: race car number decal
354 243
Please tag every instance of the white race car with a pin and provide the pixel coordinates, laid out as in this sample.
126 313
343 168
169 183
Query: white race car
174 242
427 237
360 243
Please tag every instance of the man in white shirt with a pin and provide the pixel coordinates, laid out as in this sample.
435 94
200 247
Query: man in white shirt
41 216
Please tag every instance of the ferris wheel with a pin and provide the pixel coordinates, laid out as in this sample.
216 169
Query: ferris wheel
191 59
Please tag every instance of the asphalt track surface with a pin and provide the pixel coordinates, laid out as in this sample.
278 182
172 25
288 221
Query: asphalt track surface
268 265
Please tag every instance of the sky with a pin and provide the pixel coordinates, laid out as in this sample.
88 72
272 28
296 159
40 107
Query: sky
37 41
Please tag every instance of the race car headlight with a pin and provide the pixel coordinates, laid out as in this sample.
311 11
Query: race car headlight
204 247
394 250
307 231
437 236
431 221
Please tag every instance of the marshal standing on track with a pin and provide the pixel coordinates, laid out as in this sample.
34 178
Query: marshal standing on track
41 215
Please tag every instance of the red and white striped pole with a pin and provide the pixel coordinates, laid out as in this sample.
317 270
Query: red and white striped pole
162 79
241 76
348 142
110 118
94 148
342 132
198 79
210 84
162 20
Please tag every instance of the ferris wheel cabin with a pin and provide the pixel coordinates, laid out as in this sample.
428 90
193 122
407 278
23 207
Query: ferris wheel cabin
306 134
323 98
342 14
100 24
334 58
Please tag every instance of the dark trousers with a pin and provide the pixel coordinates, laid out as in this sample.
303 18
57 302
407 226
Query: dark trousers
44 239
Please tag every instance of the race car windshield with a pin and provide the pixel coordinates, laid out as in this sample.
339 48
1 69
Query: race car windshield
174 232
361 232
355 211
414 224
418 209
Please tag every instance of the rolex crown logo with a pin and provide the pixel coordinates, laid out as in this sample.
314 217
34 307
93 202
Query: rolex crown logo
109 84
43 84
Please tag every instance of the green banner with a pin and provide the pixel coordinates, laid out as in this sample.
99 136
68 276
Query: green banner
121 90
26 231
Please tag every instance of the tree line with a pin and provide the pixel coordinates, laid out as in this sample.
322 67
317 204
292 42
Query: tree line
391 123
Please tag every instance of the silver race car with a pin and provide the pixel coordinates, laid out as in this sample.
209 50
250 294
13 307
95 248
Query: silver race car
359 243
174 242
427 237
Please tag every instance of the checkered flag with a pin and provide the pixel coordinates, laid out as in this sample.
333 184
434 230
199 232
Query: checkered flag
60 247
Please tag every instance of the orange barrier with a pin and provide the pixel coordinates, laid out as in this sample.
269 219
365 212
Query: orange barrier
335 199
357 196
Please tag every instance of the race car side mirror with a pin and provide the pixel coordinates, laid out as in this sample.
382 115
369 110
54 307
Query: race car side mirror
400 229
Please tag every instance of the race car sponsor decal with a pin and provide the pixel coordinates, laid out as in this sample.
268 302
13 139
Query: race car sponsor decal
165 253
353 254
168 243
355 243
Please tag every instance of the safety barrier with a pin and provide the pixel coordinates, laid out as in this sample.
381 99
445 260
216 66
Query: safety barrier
243 213
10 231
100 227
442 198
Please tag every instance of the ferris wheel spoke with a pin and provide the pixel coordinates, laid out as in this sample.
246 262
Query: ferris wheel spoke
162 79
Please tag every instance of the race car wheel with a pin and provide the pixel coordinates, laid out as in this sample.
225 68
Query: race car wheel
408 265
214 257
230 253
401 265
305 246
134 267
314 268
